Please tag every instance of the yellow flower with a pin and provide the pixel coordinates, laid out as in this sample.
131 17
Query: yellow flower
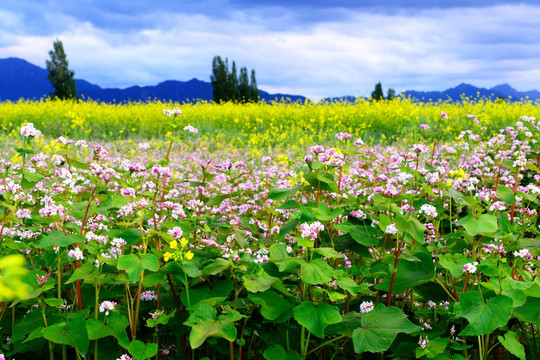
189 255
167 256
174 244
183 242
449 183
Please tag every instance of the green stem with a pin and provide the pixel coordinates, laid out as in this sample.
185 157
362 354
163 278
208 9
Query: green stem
327 342
398 250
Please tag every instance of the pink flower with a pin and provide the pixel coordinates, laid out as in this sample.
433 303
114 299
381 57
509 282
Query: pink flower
41 280
444 115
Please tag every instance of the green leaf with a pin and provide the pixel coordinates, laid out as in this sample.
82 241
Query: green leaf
411 226
141 351
328 253
202 292
288 227
351 286
33 177
136 264
272 305
379 328
58 238
216 200
316 272
316 317
483 318
324 213
410 273
289 264
366 236
484 224
506 194
278 252
349 322
206 323
454 263
529 311
116 327
277 352
281 194
86 271
510 342
258 281
434 348
54 301
161 319
216 267
72 333
321 182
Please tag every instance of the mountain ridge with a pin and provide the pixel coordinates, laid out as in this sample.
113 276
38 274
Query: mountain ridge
20 79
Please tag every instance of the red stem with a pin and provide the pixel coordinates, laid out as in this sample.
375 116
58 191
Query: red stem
79 295
398 250
512 207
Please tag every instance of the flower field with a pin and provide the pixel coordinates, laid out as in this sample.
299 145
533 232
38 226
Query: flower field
284 231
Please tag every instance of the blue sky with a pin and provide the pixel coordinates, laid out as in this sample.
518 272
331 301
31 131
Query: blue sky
314 48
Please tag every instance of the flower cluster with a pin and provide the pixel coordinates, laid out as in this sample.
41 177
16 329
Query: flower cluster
180 252
366 306
28 130
107 306
311 230
470 267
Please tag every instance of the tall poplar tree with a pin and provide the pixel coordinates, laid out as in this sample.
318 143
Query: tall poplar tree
61 78
227 86
220 79
243 85
377 94
253 90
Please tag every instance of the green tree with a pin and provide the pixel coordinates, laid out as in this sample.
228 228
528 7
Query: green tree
391 94
227 86
253 90
61 78
244 85
220 79
377 94
232 91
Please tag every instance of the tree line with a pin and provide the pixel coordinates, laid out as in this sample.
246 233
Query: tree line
230 86
227 85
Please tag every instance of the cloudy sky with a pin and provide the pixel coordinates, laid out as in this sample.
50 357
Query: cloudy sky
314 48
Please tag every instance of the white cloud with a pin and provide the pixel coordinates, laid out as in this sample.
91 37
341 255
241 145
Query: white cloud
426 50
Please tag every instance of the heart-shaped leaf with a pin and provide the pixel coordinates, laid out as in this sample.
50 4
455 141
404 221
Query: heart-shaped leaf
316 317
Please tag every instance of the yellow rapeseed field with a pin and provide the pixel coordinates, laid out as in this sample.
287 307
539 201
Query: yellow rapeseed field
260 126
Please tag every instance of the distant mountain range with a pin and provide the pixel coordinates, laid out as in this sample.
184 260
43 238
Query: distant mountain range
504 91
20 79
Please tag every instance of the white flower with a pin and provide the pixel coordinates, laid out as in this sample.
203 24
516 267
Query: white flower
176 112
176 232
523 253
191 129
429 210
343 136
366 306
28 130
311 230
144 145
77 254
391 229
470 267
106 306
